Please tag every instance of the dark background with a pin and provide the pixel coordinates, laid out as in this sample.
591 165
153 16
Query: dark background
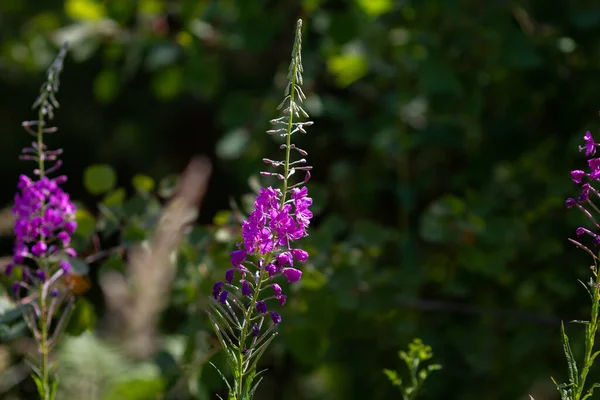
443 139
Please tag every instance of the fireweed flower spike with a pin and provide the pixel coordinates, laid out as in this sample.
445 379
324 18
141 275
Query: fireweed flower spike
243 305
44 223
588 240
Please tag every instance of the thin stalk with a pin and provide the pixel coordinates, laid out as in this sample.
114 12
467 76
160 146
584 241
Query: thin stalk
43 317
44 348
40 141
247 321
288 134
590 335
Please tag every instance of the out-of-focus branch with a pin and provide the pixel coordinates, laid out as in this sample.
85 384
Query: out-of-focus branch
7 221
134 301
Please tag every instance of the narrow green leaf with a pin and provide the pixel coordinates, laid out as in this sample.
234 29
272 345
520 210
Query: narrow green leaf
221 375
39 385
579 321
258 353
573 373
591 391
587 289
253 389
54 388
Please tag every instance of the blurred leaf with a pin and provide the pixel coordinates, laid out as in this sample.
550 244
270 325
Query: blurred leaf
83 318
143 183
115 197
162 56
375 8
99 178
167 186
79 267
347 68
232 144
137 389
167 83
106 85
86 10
86 223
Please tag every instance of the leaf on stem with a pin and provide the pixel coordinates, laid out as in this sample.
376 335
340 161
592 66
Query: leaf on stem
573 373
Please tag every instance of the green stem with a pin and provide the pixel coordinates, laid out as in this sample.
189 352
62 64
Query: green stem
239 387
43 322
44 348
590 335
40 142
288 133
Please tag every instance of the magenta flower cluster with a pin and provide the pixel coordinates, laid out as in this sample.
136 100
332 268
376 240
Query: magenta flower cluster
268 234
585 179
45 221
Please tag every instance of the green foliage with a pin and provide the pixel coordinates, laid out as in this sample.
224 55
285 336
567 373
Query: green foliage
418 354
575 388
99 178
446 135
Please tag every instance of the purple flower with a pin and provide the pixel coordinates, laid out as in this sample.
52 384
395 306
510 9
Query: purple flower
255 330
275 317
282 300
246 289
229 275
577 175
16 286
238 257
223 296
284 259
271 269
217 289
292 274
261 307
44 214
66 266
41 274
277 290
590 145
300 255
39 248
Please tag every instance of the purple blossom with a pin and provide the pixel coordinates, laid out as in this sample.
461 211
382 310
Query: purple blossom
584 201
276 318
577 175
284 259
292 274
279 217
66 266
590 144
223 296
45 219
255 330
246 288
217 287
229 275
277 290
271 269
300 255
238 257
261 307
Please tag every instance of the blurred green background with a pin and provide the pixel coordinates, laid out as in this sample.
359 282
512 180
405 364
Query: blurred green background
444 134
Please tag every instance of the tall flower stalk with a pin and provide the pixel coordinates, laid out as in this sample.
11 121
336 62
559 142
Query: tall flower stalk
241 307
44 223
577 388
